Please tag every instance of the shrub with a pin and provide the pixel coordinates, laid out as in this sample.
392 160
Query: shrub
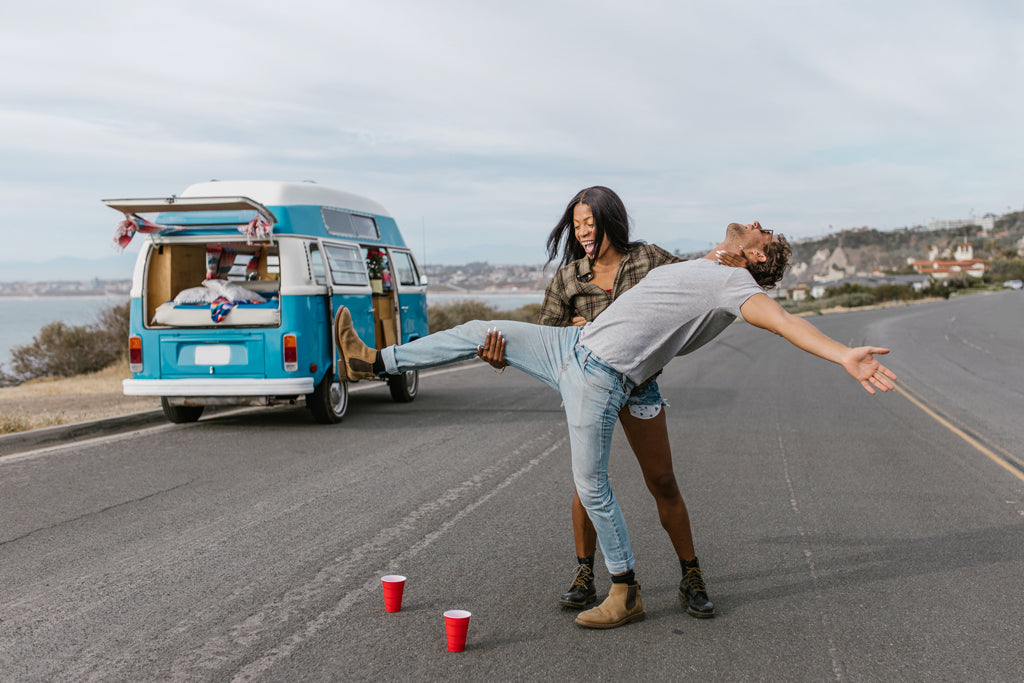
1002 269
890 292
449 315
851 300
61 350
847 288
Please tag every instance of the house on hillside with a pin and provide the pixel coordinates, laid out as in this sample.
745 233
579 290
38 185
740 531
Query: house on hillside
962 263
799 292
916 282
986 223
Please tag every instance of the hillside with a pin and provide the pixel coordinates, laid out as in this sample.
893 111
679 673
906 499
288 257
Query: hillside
866 250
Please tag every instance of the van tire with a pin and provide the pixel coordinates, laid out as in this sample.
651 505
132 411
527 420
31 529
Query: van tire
180 414
329 401
404 387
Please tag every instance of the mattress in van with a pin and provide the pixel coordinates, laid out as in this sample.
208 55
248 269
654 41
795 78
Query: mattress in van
201 315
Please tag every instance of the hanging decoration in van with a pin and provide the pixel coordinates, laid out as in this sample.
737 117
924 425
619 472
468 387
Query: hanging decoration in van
259 228
127 228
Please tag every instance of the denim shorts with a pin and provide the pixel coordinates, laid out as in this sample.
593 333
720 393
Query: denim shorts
645 402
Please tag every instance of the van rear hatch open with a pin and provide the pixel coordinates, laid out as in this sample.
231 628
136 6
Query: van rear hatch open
134 207
207 250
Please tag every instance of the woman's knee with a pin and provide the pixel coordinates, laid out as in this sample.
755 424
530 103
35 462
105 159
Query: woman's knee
663 486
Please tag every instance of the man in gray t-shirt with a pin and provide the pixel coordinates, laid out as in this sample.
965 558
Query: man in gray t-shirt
674 310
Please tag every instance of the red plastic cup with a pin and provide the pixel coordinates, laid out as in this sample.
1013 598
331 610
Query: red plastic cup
394 586
456 624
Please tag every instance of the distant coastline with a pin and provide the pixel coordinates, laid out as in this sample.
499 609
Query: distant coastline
65 288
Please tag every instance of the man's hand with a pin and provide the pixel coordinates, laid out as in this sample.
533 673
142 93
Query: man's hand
493 350
861 364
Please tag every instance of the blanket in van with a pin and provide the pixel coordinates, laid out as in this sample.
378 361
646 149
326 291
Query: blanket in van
218 298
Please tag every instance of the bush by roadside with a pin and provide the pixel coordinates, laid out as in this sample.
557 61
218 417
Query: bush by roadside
450 315
61 350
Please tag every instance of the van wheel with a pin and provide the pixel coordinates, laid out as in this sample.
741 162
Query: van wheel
329 401
180 414
405 386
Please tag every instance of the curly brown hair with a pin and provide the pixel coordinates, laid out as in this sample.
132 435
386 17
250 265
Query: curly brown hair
768 273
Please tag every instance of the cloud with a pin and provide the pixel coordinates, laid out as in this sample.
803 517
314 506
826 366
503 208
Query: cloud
477 121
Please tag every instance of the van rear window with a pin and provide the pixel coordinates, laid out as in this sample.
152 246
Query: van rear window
345 224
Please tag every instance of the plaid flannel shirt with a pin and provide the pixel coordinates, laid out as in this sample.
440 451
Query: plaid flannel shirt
571 291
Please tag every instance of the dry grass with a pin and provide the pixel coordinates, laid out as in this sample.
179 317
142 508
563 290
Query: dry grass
48 402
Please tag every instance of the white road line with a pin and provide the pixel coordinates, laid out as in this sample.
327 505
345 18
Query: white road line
833 650
218 652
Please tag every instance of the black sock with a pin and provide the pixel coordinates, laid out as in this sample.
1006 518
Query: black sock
378 365
628 578
589 561
689 564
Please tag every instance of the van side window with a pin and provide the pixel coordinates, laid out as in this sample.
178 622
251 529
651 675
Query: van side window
316 262
347 267
405 268
345 224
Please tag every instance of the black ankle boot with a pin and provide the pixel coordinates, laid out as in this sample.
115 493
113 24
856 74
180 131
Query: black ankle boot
582 592
694 592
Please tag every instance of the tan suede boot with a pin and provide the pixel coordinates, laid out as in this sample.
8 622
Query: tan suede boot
622 606
356 357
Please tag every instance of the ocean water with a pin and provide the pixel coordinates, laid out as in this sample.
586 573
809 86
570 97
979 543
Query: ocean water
21 318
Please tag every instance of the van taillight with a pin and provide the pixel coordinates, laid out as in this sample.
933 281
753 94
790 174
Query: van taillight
291 353
135 354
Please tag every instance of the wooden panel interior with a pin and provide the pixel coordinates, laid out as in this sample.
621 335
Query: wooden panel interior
384 319
172 268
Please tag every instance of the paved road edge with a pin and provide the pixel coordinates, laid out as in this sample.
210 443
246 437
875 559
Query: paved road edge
76 431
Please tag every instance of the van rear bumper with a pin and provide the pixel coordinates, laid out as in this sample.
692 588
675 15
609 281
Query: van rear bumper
218 387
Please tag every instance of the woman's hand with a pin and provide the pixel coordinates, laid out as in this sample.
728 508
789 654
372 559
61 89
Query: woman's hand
578 320
727 258
493 350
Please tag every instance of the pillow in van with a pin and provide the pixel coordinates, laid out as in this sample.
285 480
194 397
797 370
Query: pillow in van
232 291
195 295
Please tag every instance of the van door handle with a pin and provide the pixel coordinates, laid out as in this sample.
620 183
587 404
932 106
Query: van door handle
404 308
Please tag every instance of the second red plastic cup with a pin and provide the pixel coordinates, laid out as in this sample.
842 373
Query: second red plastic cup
394 586
456 625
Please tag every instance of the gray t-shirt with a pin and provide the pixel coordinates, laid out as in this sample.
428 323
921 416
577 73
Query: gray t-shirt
674 310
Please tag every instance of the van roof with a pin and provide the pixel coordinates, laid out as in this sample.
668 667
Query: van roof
277 193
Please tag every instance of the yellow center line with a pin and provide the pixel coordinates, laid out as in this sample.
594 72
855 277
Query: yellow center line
988 452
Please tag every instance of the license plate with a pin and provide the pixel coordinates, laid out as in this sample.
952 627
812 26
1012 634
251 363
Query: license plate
214 354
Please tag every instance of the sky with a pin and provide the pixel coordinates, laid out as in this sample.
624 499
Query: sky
474 123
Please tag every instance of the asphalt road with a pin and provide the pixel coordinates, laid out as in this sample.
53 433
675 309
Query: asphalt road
844 536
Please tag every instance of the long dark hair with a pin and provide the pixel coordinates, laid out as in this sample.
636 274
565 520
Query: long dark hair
610 220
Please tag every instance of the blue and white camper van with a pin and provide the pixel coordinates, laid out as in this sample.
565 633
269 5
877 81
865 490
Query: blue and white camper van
236 289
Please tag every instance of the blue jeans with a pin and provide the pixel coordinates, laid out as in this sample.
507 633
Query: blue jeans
592 394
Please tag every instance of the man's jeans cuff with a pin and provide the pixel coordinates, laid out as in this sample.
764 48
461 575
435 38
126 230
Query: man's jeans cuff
387 355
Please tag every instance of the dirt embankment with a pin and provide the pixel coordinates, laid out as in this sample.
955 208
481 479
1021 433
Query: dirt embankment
48 402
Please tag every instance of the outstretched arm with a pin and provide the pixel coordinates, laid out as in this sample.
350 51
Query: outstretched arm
762 311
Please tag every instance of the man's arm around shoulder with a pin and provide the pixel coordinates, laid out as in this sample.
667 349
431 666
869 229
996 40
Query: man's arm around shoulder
762 311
